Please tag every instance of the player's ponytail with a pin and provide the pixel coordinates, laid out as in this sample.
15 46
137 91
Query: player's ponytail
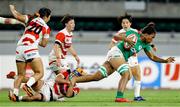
149 28
66 18
44 12
151 24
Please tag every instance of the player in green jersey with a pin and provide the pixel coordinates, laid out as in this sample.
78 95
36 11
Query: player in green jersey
118 55
126 22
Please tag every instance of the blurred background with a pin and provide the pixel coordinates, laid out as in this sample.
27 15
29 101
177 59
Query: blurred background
96 23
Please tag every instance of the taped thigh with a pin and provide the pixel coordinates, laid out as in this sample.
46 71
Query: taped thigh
123 68
103 71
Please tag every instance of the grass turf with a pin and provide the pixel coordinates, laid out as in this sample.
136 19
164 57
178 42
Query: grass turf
102 98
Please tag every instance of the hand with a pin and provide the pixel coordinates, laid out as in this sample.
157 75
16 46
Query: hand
170 60
154 49
77 60
11 6
130 42
58 62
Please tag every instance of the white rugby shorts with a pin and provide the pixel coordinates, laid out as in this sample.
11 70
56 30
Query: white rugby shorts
133 61
24 53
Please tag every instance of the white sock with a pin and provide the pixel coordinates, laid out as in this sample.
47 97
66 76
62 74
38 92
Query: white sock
31 81
16 91
137 88
2 20
20 98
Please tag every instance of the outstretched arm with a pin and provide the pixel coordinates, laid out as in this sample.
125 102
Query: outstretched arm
10 21
57 53
157 59
36 97
17 15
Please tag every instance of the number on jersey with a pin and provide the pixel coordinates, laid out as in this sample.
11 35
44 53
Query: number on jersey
36 28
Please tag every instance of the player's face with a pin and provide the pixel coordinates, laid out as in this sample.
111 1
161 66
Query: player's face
126 24
149 38
47 18
70 25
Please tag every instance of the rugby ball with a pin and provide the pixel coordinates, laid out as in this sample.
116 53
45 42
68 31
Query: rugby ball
133 37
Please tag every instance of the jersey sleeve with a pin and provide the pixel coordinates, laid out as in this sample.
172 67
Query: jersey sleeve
60 37
27 18
114 40
147 48
46 35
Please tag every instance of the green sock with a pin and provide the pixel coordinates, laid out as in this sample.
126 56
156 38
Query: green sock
119 94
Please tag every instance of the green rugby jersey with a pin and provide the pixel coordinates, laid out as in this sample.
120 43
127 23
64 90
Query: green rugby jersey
139 45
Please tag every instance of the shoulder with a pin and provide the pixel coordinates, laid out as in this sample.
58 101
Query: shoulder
29 18
135 30
60 34
121 31
131 30
65 32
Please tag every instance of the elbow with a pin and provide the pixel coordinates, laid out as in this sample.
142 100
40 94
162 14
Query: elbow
152 58
16 15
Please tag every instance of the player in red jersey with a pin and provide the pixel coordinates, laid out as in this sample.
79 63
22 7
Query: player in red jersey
51 90
62 45
36 34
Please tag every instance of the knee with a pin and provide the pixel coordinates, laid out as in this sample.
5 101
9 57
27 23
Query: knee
98 76
127 75
137 77
40 74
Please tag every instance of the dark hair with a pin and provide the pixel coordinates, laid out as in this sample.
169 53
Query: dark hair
149 28
126 16
66 18
44 12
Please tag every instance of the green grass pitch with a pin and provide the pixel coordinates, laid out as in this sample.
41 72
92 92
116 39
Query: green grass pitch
103 98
